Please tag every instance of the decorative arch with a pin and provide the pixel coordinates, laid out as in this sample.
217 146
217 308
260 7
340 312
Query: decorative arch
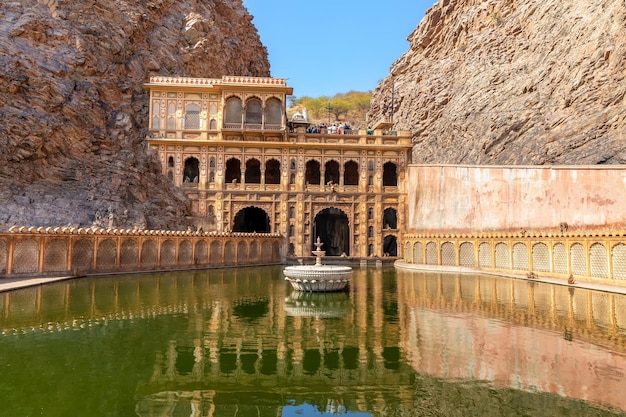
253 171
351 173
25 257
332 227
55 256
254 112
107 254
312 172
390 245
233 112
168 253
390 218
272 171
233 170
185 253
448 254
201 255
192 116
251 220
331 172
390 174
273 113
149 253
129 253
191 172
82 255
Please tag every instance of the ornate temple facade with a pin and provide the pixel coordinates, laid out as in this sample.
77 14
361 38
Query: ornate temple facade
246 167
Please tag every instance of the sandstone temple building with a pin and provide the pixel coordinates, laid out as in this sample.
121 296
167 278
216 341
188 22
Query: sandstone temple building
246 167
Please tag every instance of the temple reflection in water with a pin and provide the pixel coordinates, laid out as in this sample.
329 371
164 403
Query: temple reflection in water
246 345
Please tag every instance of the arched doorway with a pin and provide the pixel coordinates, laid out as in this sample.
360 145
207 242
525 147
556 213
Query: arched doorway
390 219
331 225
250 220
192 170
390 246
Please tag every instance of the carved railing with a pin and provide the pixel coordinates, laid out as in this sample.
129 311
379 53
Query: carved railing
586 256
90 251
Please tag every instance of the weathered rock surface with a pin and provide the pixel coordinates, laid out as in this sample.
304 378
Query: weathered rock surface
513 82
73 109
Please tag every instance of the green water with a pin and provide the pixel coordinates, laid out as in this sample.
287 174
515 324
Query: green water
242 343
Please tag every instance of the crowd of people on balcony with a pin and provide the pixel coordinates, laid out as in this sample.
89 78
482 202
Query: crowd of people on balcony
334 129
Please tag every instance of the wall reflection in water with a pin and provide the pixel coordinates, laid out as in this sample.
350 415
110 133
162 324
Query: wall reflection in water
240 342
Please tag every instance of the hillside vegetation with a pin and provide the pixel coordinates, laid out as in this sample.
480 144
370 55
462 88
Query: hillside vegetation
350 108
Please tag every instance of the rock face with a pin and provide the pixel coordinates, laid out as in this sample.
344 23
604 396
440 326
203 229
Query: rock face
73 110
512 82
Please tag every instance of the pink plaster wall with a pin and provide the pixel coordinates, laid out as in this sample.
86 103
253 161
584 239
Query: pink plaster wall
452 198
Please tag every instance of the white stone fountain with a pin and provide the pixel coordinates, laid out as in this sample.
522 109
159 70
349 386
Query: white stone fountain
318 277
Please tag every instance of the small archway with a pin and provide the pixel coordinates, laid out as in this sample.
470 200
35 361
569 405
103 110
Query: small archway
272 171
192 170
233 111
390 219
351 173
253 171
233 170
251 220
390 246
312 173
331 173
390 174
331 225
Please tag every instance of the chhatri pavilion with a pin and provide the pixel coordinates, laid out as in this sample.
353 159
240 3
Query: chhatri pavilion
247 168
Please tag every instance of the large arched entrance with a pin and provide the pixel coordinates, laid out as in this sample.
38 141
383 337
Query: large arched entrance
331 225
250 220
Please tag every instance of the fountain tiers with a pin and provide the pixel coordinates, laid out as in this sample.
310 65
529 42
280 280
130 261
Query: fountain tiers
318 277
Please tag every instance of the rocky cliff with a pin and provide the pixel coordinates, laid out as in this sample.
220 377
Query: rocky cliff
73 109
512 82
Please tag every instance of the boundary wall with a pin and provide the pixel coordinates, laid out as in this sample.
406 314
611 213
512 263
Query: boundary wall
92 251
575 257
472 199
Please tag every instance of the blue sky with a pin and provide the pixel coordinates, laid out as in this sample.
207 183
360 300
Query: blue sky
326 47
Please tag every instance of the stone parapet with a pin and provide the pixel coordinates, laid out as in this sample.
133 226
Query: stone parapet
30 251
598 257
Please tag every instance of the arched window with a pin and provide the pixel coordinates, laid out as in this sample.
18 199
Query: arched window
272 172
331 173
370 166
390 176
232 112
192 171
253 171
192 116
351 173
273 113
312 173
213 124
370 231
254 112
292 212
211 176
212 162
170 161
292 178
370 213
155 114
171 116
370 180
233 170
292 230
